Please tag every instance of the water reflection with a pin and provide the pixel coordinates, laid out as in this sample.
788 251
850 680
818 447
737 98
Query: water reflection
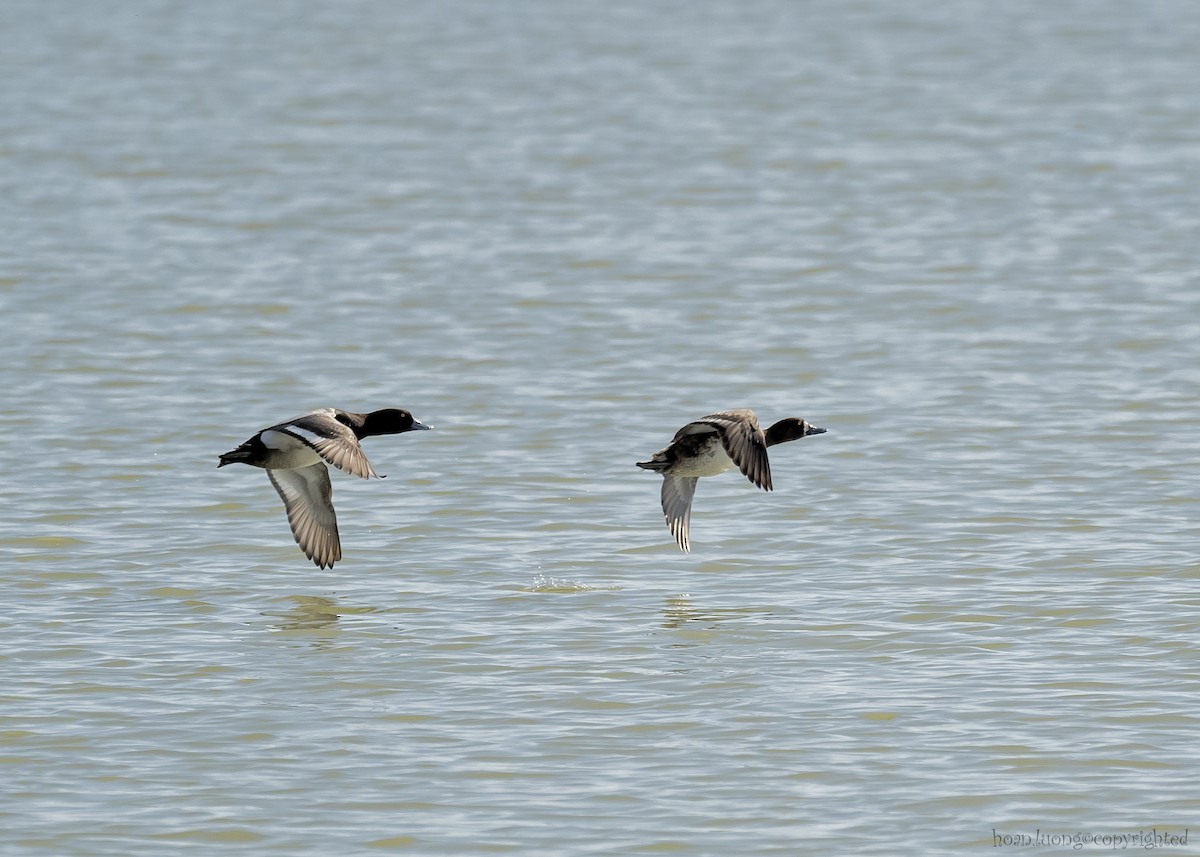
681 614
314 616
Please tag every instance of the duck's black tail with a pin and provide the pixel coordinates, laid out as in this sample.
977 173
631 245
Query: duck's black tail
242 453
657 465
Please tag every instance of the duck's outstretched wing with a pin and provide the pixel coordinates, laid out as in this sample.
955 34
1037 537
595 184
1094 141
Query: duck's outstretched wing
744 443
677 493
308 497
332 439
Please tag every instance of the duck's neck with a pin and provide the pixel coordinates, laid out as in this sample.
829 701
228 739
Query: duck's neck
782 432
360 424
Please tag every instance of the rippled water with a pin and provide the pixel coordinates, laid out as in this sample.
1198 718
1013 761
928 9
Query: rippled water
962 236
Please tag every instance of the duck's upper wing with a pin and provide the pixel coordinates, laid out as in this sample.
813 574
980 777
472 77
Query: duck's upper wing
677 493
744 442
308 497
333 440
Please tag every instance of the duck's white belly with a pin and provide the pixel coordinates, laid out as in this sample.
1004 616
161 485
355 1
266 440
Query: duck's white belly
708 461
288 453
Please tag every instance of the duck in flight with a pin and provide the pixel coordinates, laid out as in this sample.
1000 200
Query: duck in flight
294 454
712 445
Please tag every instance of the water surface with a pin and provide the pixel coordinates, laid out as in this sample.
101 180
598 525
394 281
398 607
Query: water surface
961 236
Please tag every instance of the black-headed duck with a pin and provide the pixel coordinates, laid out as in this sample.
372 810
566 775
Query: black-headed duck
710 446
294 454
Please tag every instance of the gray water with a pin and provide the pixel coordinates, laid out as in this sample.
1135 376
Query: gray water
960 235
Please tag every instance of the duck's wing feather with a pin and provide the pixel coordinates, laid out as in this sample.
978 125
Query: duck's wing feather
308 497
333 440
677 493
744 442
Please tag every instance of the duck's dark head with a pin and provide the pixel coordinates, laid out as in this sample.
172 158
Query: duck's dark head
790 428
389 421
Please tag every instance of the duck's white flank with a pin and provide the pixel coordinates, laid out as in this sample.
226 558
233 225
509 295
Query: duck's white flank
709 460
293 453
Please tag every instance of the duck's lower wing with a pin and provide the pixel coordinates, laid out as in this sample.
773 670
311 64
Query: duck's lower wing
308 497
677 493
